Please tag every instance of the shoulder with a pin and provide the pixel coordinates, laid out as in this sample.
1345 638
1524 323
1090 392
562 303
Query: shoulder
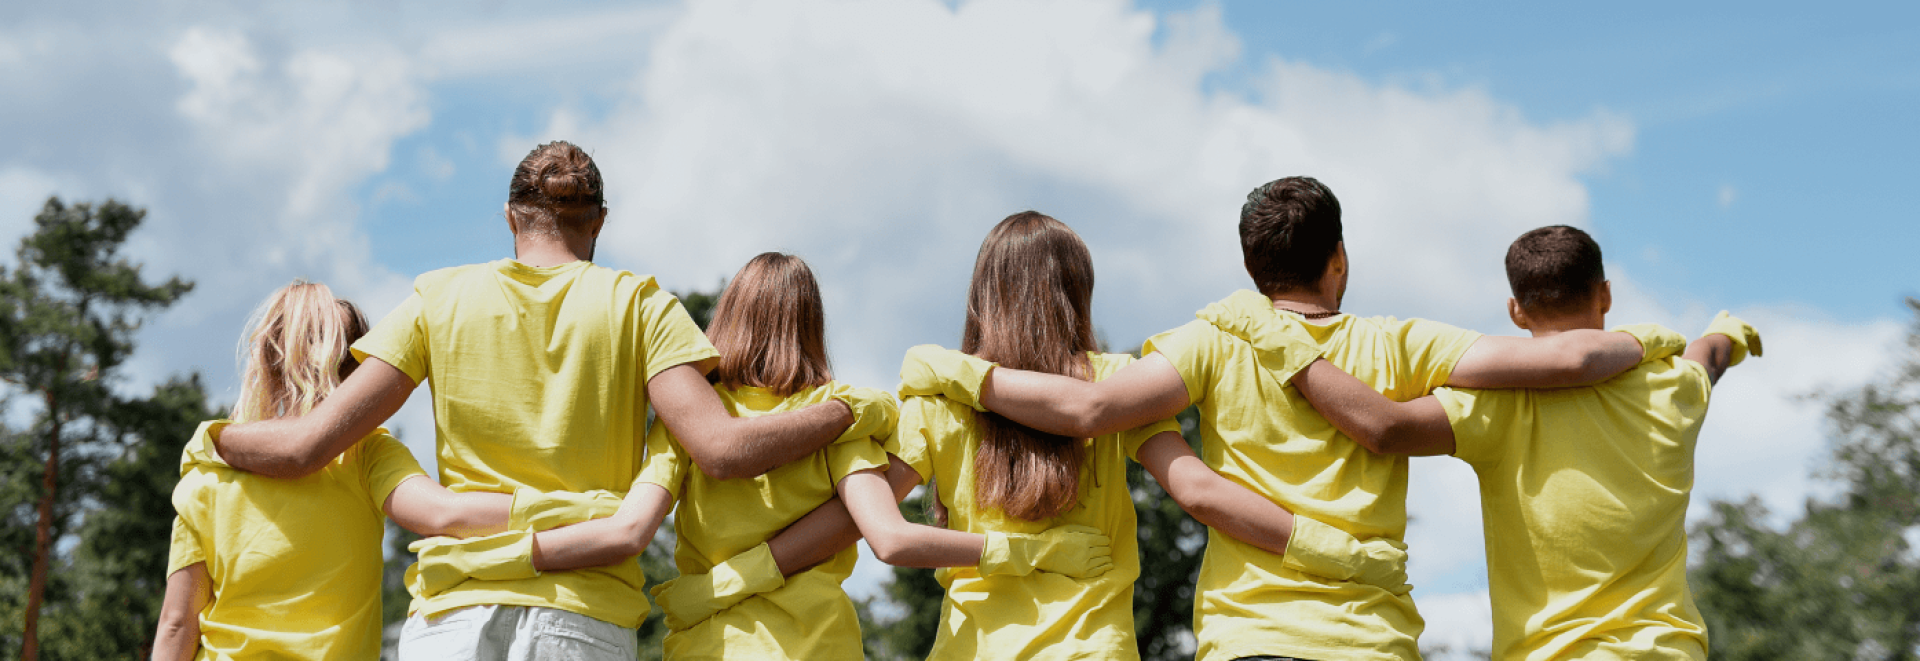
439 279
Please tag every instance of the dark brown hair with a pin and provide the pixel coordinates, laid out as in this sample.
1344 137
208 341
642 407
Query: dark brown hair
1554 270
1289 230
770 327
556 187
1030 308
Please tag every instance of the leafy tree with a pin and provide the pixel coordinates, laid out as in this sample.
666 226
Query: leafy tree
68 312
1841 580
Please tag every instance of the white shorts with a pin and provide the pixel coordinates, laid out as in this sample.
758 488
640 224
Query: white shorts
514 633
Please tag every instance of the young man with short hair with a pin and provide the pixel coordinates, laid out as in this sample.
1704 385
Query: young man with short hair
1583 491
1234 363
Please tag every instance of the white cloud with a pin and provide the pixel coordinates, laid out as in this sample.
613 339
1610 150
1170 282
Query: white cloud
1726 195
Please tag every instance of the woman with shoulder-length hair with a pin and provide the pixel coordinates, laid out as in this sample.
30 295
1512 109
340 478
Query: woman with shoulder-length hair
1030 308
746 595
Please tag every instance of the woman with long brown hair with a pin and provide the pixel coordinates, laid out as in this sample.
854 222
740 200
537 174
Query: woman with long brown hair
1030 308
740 597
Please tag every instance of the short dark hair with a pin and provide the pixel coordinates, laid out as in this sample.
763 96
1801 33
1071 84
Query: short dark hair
1554 270
1289 231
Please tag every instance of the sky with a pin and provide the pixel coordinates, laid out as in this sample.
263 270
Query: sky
1746 156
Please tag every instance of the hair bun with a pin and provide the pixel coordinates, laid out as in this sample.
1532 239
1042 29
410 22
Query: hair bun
558 173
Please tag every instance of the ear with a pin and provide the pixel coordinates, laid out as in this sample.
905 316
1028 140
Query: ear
1518 315
1606 296
593 231
507 211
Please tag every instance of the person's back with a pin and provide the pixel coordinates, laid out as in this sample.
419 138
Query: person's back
1584 496
1258 431
538 379
295 564
1041 615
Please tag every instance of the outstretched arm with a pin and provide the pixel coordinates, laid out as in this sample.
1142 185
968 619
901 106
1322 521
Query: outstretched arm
188 592
1418 427
1214 500
1571 358
295 447
726 447
829 528
870 500
1147 391
607 541
423 506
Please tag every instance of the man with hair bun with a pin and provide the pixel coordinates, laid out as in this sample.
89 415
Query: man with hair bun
1583 491
542 368
1235 363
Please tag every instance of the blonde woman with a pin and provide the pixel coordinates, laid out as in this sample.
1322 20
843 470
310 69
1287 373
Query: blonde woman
290 568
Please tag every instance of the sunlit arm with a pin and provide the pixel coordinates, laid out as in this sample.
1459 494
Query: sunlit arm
607 541
1570 358
870 499
423 506
1418 427
1144 392
725 447
1219 503
188 593
295 447
829 528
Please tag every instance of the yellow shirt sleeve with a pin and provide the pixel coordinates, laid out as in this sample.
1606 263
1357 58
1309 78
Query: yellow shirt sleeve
666 463
671 337
1483 419
1432 349
849 457
919 418
385 465
1193 353
400 340
185 549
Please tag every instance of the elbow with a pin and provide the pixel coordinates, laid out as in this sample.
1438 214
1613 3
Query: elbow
1082 420
720 465
888 546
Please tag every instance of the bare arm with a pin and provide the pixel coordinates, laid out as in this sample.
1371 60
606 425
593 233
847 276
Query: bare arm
829 528
1379 424
1714 352
1147 391
1214 500
870 499
296 447
423 506
1571 358
607 541
726 447
188 593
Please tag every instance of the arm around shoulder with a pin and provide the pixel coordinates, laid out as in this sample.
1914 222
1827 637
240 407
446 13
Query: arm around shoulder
725 447
297 446
1418 427
1570 358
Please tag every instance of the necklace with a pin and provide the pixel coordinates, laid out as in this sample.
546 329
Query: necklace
1310 315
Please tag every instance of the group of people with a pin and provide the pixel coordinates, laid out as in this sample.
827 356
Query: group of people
553 477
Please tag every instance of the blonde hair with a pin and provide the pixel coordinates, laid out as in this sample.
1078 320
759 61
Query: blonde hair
295 351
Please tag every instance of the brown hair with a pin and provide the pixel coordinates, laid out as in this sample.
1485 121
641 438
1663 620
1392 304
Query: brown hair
770 327
296 351
1030 308
1554 270
556 187
1289 230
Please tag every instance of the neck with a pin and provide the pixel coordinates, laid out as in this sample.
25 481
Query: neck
1305 301
546 250
1562 324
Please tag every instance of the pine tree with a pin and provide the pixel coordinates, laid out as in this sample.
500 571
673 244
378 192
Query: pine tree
68 312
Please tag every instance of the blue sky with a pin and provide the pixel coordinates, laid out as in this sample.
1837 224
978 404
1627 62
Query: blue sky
1727 155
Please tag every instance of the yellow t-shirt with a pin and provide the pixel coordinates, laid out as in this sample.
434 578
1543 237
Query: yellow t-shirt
1258 431
539 380
810 617
1041 615
295 564
1583 494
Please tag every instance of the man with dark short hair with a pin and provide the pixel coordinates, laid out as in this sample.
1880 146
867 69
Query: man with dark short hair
1235 363
1583 491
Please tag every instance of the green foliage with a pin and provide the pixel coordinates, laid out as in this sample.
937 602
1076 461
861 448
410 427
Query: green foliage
68 310
699 304
1840 581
